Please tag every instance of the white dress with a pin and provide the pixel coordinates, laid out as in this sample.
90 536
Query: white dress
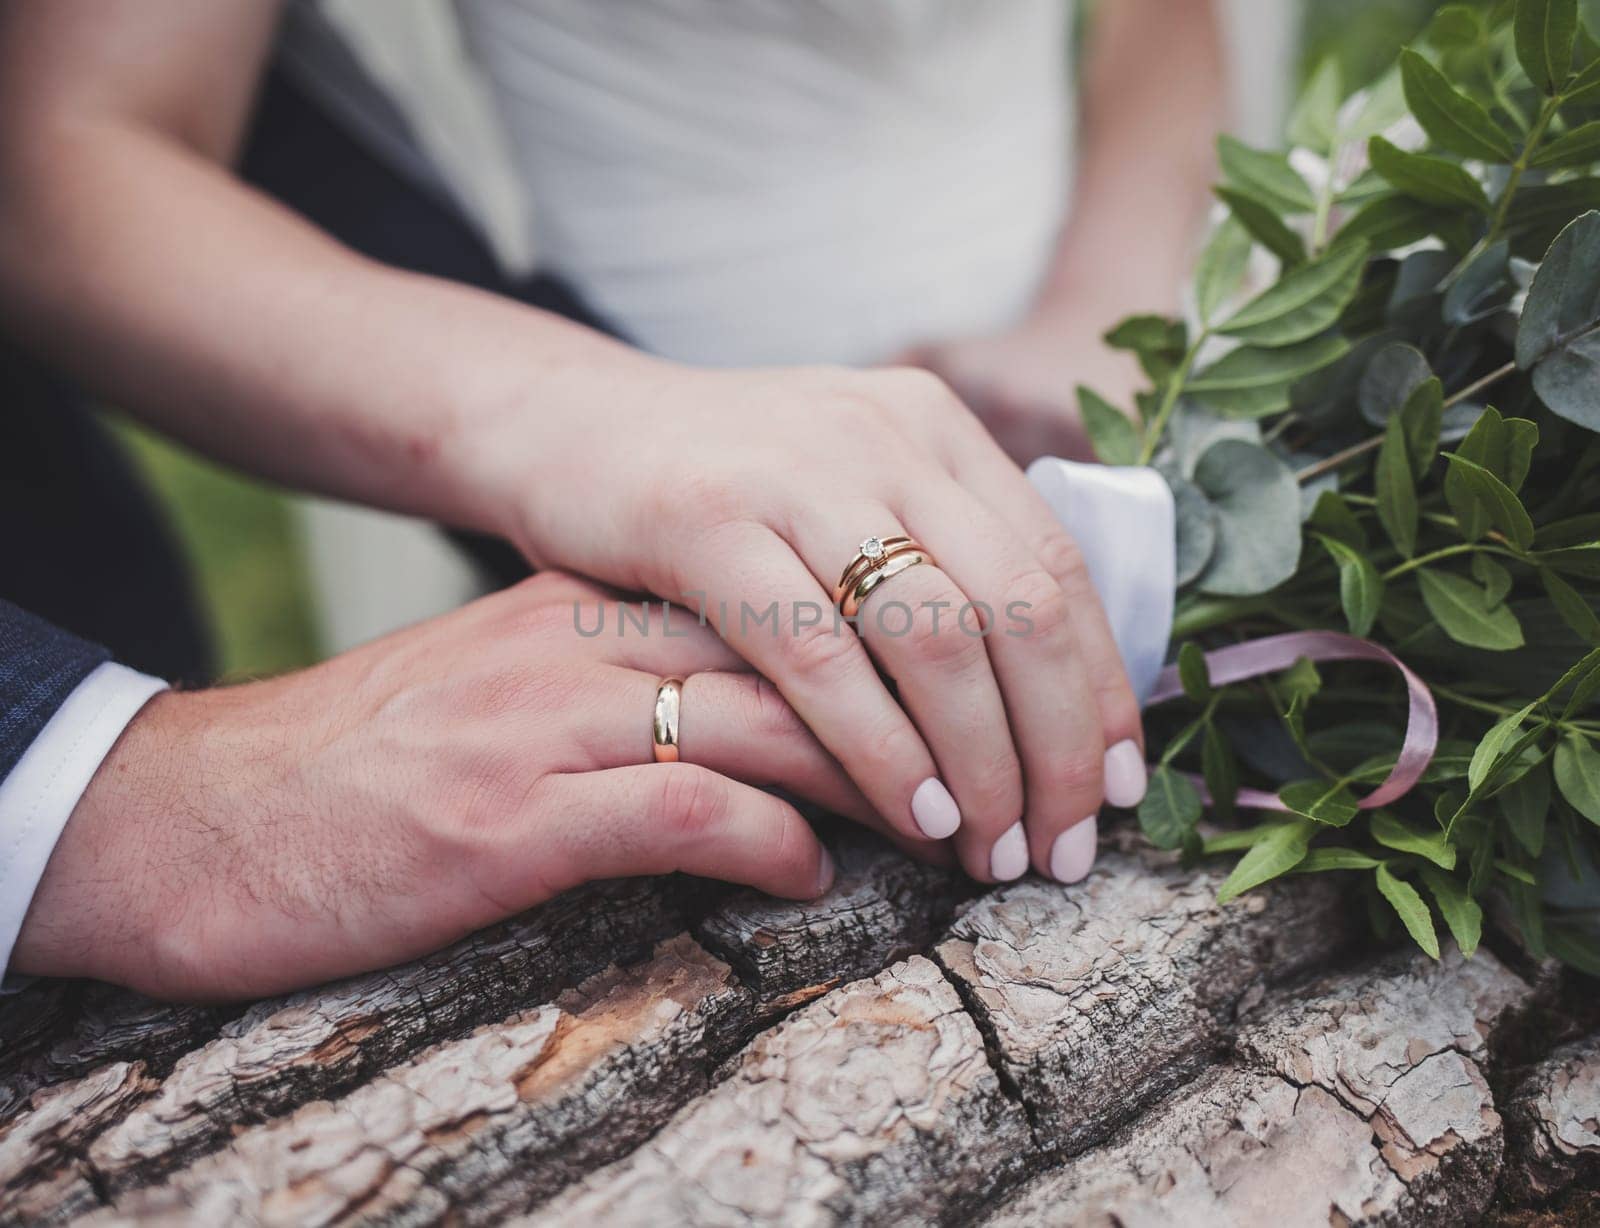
738 182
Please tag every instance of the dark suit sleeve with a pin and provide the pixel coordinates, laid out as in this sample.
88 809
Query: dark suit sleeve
40 665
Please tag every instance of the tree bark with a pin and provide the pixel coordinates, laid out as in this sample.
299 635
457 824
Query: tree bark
906 1050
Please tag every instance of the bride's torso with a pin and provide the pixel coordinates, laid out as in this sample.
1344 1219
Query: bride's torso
771 181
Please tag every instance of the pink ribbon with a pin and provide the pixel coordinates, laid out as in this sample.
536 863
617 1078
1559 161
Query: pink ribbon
1254 658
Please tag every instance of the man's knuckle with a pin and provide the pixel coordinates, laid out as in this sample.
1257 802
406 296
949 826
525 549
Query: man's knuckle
691 800
767 713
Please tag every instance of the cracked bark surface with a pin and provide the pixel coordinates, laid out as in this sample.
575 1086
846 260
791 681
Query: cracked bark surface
1554 1122
1359 1101
1100 999
905 1050
876 1103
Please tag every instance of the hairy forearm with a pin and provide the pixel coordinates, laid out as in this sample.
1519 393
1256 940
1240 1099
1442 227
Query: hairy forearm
1153 100
184 296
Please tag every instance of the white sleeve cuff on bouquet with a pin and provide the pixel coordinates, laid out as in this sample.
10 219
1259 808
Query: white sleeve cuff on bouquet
1123 520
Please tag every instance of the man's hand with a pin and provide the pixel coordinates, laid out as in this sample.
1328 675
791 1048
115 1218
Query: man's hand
251 839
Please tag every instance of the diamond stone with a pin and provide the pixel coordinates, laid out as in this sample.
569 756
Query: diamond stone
872 549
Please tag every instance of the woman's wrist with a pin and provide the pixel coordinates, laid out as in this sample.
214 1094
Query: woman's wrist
528 430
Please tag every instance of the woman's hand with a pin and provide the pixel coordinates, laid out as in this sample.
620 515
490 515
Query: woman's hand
737 491
251 839
1022 383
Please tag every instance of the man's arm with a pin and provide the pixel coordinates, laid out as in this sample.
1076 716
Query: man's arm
131 256
63 705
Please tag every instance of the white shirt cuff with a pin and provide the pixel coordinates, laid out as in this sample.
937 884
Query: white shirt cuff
39 795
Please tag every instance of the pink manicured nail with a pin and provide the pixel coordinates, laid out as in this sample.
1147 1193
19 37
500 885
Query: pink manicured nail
1009 857
935 811
824 871
1072 855
1125 775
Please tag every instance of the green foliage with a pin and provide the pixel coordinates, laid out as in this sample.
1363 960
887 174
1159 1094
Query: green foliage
1399 436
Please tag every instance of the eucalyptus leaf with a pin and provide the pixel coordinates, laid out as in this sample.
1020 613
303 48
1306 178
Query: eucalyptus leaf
1196 529
1197 427
1557 336
1481 287
1395 372
1257 503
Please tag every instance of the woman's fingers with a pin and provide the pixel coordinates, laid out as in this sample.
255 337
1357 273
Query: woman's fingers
1035 654
1010 495
920 629
660 818
782 622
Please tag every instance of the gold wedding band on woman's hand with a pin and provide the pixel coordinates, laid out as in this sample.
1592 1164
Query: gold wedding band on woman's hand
664 725
877 559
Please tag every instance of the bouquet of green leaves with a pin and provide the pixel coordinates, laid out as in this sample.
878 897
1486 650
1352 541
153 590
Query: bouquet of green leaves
1381 417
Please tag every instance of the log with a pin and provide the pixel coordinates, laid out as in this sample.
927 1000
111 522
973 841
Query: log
908 1049
1554 1123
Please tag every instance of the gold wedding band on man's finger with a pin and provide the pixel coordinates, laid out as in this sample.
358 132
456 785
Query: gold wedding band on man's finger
664 722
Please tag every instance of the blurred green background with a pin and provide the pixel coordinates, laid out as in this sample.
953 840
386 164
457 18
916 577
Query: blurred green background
243 537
